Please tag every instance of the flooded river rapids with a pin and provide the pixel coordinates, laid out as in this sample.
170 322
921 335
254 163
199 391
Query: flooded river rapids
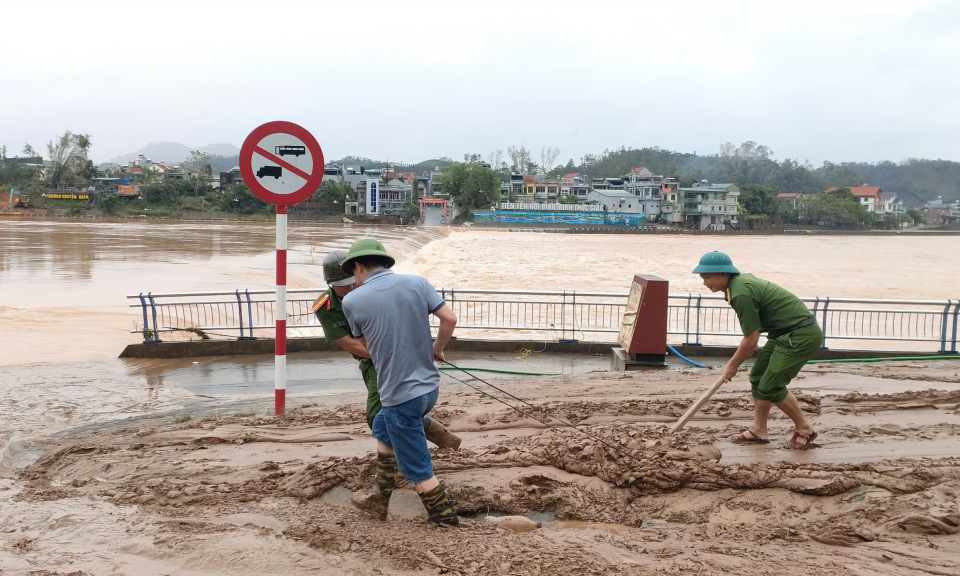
64 315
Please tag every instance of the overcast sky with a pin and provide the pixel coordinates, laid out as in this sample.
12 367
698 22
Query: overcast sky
837 80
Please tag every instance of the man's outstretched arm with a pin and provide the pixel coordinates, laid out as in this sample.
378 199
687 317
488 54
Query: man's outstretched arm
448 321
747 346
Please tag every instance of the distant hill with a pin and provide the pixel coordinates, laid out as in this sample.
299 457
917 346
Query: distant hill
175 152
915 181
223 163
220 149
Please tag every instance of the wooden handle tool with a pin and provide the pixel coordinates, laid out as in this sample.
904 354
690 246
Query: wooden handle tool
679 424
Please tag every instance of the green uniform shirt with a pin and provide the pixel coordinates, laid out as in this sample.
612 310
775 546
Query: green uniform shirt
329 311
764 306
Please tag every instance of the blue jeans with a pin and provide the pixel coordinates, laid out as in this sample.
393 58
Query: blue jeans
401 428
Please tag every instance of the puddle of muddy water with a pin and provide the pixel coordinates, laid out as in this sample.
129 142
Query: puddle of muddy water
541 519
407 504
403 503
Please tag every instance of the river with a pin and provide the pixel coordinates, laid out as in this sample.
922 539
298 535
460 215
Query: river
63 284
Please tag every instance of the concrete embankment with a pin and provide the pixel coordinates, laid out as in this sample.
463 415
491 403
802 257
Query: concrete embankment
224 347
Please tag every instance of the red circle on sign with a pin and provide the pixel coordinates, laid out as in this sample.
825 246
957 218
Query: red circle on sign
251 145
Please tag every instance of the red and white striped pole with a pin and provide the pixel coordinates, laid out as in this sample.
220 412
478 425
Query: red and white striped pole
280 380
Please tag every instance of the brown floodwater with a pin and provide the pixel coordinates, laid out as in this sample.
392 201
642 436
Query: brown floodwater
887 267
63 285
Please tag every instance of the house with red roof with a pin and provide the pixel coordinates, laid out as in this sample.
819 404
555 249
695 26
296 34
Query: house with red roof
166 172
870 197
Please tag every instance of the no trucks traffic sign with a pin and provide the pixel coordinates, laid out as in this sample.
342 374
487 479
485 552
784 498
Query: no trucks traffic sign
281 163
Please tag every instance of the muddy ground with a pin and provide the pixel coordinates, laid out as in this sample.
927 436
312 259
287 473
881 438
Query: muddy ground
247 494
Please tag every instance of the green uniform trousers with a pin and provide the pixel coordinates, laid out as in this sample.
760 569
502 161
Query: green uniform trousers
373 396
781 359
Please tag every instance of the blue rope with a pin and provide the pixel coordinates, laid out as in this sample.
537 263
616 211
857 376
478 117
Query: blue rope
684 358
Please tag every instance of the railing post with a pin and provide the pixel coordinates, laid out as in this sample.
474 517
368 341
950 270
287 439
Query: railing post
249 314
153 308
697 333
816 308
686 324
824 325
563 317
956 313
573 318
944 323
240 310
146 324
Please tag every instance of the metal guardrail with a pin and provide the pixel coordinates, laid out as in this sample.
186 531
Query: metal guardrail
562 315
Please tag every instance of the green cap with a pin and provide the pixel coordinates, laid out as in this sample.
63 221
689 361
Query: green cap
365 247
715 263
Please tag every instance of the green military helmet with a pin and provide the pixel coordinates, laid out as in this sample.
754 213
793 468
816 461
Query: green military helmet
365 247
333 275
715 263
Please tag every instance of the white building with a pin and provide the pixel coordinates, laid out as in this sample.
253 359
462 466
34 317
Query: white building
648 187
574 185
870 197
892 205
671 209
616 201
711 206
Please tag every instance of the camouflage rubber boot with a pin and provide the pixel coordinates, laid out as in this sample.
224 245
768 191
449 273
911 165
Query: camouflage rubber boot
439 435
440 507
377 502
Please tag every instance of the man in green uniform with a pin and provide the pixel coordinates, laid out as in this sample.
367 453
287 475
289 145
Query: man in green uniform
793 338
329 311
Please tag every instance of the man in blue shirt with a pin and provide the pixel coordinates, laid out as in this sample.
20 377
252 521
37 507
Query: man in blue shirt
390 314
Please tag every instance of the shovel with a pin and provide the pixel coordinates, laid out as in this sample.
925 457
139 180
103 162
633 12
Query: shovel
679 424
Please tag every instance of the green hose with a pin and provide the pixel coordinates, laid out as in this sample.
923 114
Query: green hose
951 357
501 371
901 358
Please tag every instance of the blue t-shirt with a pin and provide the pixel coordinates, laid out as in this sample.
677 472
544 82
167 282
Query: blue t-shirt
392 311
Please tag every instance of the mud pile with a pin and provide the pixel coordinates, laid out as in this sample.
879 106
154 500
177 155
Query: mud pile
619 495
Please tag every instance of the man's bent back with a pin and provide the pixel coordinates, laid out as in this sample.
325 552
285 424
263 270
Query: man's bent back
392 312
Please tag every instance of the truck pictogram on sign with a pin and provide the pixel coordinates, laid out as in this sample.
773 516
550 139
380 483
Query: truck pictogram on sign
274 171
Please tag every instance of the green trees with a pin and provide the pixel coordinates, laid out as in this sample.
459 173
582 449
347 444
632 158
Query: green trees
332 192
238 198
471 186
568 200
838 207
163 194
89 170
68 157
110 204
760 200
410 211
199 161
